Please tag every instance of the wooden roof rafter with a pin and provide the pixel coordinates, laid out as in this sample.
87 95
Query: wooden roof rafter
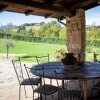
39 6
3 7
85 5
47 8
28 12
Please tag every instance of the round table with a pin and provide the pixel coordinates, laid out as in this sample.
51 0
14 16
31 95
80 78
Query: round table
56 70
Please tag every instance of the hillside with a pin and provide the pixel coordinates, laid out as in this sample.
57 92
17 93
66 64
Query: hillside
5 27
27 26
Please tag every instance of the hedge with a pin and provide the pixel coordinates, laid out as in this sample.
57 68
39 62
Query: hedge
34 39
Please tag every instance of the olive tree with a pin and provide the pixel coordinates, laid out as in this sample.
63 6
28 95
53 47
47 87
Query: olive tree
8 43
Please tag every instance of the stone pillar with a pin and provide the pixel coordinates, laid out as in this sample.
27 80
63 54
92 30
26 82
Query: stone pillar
76 36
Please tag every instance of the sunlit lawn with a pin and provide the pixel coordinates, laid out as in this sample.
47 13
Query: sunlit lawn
32 49
36 49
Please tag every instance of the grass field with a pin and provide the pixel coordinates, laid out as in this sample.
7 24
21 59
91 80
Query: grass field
35 49
32 49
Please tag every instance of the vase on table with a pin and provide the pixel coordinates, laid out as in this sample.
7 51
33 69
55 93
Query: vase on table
69 59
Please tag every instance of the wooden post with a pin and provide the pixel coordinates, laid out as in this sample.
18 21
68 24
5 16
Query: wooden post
85 89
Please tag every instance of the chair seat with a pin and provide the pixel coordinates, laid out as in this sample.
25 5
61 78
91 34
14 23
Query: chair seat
46 89
31 81
97 86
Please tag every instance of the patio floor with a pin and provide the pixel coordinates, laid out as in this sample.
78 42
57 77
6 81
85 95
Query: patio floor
11 93
9 84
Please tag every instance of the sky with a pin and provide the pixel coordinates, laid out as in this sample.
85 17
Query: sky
92 16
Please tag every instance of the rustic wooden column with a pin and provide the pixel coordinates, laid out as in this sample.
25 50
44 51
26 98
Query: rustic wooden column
76 35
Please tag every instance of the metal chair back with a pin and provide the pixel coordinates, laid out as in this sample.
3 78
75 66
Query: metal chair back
18 70
42 59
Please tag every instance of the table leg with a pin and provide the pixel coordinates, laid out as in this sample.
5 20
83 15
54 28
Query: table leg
41 85
62 84
85 89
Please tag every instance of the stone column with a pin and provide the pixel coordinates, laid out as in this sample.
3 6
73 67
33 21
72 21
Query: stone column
76 36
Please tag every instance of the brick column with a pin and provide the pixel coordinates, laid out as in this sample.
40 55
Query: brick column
76 35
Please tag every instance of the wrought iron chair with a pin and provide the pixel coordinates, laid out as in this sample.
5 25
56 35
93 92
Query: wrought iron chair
44 89
43 59
21 79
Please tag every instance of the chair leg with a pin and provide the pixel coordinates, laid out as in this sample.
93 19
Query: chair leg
45 97
58 95
25 91
19 91
38 96
51 84
33 95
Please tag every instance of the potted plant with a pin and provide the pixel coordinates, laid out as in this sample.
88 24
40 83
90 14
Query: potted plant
69 59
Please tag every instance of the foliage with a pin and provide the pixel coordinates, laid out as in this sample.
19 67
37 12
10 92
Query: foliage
51 32
21 28
93 34
63 32
9 28
59 54
35 39
51 29
8 43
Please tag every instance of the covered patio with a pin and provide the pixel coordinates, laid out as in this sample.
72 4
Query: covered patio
72 11
9 84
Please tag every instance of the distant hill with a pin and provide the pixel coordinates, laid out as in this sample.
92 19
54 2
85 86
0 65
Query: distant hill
89 26
6 26
35 26
26 25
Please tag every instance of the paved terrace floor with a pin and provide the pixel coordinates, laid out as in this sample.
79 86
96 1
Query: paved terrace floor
9 83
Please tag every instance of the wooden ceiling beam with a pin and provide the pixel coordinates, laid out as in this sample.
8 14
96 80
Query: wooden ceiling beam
37 5
91 6
3 7
79 5
50 2
28 12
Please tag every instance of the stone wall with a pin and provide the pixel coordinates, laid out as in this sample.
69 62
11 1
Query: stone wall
76 36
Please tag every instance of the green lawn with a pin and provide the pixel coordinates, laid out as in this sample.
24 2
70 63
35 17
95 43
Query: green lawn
32 49
36 49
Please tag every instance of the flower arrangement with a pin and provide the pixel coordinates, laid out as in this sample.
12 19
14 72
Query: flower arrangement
59 54
67 58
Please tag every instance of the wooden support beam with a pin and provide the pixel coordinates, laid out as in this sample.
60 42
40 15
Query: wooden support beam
3 7
91 6
28 12
50 2
37 5
79 4
48 15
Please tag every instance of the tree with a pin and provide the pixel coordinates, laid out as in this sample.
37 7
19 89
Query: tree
8 43
9 28
93 34
51 29
62 32
30 32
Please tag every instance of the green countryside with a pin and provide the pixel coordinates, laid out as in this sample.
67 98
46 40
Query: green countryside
43 38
